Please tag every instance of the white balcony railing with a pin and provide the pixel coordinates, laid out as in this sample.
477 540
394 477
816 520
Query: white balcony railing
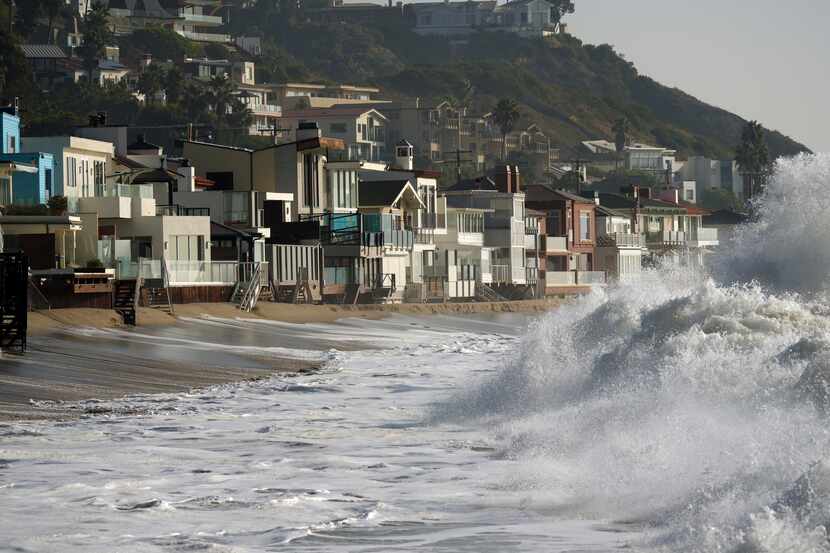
666 238
556 244
530 241
703 234
622 240
268 109
560 278
501 274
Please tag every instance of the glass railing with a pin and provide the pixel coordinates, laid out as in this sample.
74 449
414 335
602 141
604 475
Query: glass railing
115 190
338 275
182 211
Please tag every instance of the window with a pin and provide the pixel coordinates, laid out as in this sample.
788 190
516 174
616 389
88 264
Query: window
71 172
584 225
185 247
99 172
223 179
12 144
426 19
47 176
690 195
5 191
311 192
338 128
524 17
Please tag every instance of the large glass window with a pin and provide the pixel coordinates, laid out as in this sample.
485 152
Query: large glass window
185 247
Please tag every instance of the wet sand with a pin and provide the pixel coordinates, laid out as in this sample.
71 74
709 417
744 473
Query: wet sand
77 355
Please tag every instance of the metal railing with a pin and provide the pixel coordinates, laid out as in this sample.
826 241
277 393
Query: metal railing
622 239
176 210
200 18
213 272
206 37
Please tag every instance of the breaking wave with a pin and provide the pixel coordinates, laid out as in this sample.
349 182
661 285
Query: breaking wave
694 405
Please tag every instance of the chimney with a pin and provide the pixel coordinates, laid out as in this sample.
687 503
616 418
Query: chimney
307 130
186 178
517 181
596 197
503 178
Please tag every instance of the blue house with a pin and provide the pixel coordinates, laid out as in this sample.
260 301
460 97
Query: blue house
32 188
28 188
10 130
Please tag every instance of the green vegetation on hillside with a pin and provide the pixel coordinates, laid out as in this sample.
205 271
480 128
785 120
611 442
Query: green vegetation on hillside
573 91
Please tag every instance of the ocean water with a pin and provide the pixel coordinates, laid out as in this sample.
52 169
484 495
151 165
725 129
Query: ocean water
687 412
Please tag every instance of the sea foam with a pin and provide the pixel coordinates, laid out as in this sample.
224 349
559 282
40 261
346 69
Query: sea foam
692 403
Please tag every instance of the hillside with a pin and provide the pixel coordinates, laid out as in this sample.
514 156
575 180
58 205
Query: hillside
574 90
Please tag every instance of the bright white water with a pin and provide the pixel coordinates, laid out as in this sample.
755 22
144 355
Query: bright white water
684 413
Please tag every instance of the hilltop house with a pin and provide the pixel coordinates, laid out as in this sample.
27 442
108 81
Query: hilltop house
362 129
528 18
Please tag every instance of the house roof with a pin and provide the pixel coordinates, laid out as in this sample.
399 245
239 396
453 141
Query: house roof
344 110
43 51
127 162
142 144
108 65
385 193
478 183
725 217
604 211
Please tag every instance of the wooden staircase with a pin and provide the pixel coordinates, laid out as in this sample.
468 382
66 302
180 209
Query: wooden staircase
125 299
14 302
157 295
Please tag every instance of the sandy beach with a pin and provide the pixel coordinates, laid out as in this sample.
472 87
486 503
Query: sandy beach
86 355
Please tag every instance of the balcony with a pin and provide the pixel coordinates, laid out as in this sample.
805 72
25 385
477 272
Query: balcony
206 37
265 109
556 244
555 279
701 237
501 274
666 239
398 239
204 20
622 240
590 278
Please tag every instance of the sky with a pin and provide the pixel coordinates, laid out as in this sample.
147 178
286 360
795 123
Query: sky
761 59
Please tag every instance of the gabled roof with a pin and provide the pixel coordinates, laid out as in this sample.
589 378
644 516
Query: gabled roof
385 193
42 51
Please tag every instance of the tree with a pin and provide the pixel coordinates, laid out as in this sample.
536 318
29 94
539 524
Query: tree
620 129
151 81
220 95
174 85
560 8
753 158
52 8
506 115
15 74
196 101
97 35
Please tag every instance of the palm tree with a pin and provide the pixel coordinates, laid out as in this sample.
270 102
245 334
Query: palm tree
151 81
753 158
220 95
506 114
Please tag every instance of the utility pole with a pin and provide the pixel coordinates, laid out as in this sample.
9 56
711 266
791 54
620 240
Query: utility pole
458 161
